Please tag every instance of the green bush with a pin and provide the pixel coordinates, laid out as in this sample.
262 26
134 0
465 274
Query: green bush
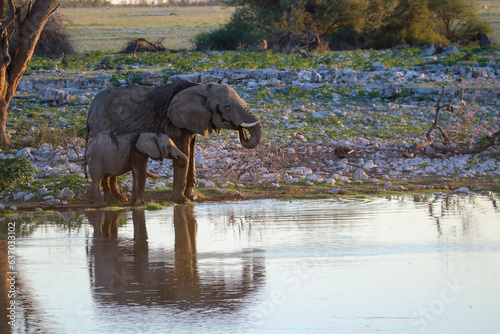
15 171
347 24
229 37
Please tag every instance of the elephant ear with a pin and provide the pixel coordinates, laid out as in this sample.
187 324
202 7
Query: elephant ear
190 110
147 143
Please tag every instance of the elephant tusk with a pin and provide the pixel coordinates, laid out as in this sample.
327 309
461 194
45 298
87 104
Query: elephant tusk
249 125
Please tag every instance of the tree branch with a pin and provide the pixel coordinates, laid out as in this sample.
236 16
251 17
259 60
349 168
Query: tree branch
12 16
415 148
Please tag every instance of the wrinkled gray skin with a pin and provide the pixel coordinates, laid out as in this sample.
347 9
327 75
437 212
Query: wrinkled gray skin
181 110
110 155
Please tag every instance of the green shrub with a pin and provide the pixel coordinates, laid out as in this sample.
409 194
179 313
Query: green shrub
347 24
238 30
15 171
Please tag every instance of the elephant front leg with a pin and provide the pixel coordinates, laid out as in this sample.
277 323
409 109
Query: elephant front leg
191 173
180 177
139 179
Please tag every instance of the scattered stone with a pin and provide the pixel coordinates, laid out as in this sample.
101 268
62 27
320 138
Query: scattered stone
360 175
66 194
208 184
13 208
42 191
24 153
55 95
379 66
38 209
462 190
429 51
400 188
28 197
335 190
369 165
344 179
18 196
388 186
52 202
151 79
2 206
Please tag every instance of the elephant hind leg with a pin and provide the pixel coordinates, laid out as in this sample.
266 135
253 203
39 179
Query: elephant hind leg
113 186
94 194
108 196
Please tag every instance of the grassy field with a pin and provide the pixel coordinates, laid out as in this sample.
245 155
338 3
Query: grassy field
491 14
109 29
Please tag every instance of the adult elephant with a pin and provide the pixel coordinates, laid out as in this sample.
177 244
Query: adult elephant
181 110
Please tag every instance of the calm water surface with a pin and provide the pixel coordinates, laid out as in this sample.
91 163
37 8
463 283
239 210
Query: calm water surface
383 265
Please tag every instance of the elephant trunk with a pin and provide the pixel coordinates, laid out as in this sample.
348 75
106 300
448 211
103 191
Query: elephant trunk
251 134
181 161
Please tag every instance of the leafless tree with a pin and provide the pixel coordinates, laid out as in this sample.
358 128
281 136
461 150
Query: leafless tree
27 25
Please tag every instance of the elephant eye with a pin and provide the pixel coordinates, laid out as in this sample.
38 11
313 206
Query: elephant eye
227 107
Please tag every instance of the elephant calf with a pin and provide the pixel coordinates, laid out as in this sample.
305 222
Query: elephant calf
109 154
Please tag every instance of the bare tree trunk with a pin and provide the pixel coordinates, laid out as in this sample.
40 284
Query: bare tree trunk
13 63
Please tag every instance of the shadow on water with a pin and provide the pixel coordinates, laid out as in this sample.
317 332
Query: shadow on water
122 272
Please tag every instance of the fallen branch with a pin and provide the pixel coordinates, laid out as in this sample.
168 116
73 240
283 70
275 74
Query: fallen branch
445 138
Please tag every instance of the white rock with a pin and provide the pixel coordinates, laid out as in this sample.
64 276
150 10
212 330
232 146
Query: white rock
24 153
400 188
388 185
13 208
42 191
28 197
430 169
151 79
429 51
66 194
208 184
344 179
360 175
335 190
369 165
2 206
462 190
55 95
379 66
18 195
52 201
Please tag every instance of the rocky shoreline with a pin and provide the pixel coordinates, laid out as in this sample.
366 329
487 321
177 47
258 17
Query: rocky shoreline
294 158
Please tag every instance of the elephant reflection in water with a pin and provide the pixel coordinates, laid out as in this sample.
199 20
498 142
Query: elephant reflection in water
121 271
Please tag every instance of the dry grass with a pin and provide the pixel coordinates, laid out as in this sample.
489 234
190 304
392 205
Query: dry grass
109 29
